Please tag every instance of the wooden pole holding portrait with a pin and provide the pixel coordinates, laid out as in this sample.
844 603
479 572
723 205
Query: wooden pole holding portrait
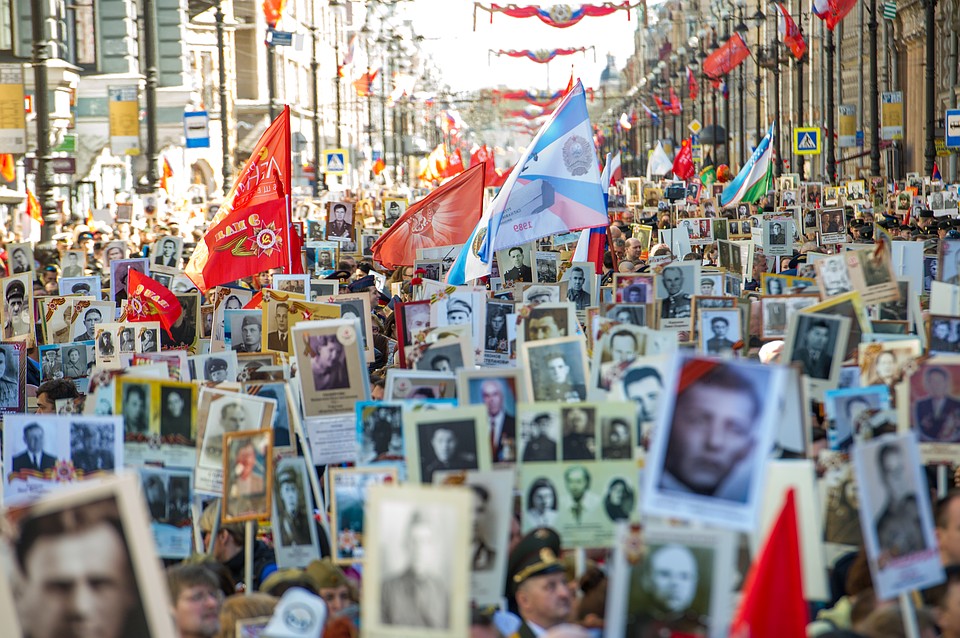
294 412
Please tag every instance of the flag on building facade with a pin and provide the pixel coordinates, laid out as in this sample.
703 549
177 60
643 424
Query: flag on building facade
832 11
726 58
692 88
790 33
149 300
252 232
755 178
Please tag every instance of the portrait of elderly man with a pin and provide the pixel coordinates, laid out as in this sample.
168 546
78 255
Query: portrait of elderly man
417 595
677 303
713 434
669 581
576 291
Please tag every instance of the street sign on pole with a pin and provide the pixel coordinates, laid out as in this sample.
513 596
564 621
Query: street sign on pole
196 129
953 128
806 141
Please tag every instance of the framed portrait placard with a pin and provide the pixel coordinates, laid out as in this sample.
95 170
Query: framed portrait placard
160 420
817 343
295 540
411 317
348 494
43 453
167 493
419 384
332 372
113 547
701 563
247 475
13 379
555 369
415 544
492 500
220 413
576 469
895 515
453 439
725 492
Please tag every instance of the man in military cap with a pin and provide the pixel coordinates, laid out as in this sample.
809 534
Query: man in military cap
538 583
249 337
16 322
293 520
80 288
459 313
541 446
215 370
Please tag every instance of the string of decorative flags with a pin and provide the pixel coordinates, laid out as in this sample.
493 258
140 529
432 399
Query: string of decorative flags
537 99
525 114
560 16
540 56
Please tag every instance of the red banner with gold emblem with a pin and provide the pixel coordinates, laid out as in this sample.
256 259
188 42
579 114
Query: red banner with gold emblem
251 231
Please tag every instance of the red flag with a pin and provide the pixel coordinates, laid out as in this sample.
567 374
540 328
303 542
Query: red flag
33 207
726 58
259 230
149 300
772 602
485 154
692 86
362 84
445 217
656 98
676 106
683 162
167 174
570 83
791 33
454 164
833 11
7 167
272 10
378 166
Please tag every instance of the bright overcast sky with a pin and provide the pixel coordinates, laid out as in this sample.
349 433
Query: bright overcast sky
461 53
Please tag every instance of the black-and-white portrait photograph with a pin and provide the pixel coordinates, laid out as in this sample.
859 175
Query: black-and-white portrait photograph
539 435
581 284
896 516
680 588
149 339
92 446
446 355
613 352
167 250
18 307
19 258
545 270
74 361
579 442
465 307
448 445
708 459
833 278
542 499
367 240
168 493
516 264
185 330
94 541
177 412
51 363
292 520
115 251
413 539
676 284
393 209
73 263
135 407
540 293
817 343
379 432
556 369
548 321
246 330
630 313
13 376
719 330
119 272
496 339
126 339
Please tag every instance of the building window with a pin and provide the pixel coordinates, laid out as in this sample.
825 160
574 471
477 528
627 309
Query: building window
81 34
6 26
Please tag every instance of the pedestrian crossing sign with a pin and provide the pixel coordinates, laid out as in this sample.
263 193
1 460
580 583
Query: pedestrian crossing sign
335 161
806 141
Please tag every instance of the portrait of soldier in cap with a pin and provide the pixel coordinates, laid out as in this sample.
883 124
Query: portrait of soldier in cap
215 370
247 339
18 316
293 520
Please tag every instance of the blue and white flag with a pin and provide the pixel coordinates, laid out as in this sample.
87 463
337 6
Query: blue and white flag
554 188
